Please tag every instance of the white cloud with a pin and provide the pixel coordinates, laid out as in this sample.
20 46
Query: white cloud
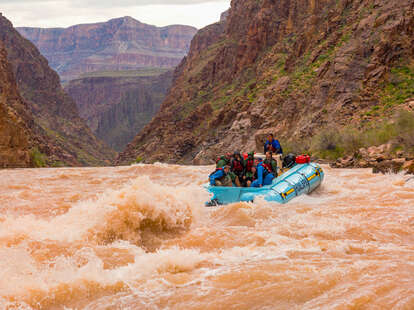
64 13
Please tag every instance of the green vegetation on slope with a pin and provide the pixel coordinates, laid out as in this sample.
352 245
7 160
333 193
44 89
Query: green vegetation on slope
150 71
38 159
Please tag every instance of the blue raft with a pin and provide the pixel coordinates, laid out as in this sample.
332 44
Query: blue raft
299 180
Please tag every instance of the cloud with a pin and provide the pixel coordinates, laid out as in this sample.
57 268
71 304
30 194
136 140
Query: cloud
110 3
64 13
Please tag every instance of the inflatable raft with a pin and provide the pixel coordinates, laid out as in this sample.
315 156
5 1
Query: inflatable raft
300 179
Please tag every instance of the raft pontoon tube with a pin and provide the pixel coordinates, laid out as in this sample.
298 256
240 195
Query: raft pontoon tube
300 179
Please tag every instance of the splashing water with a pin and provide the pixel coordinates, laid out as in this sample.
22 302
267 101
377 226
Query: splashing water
139 237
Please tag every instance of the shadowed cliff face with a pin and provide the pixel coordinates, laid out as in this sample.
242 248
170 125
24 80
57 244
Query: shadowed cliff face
14 136
55 115
116 108
119 44
289 66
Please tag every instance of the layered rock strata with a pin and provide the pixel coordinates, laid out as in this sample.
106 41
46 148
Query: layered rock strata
118 44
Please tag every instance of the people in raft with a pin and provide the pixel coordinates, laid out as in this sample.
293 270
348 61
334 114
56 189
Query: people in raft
249 172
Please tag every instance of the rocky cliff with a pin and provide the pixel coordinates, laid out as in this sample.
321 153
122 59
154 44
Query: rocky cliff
55 119
119 44
292 67
14 134
118 105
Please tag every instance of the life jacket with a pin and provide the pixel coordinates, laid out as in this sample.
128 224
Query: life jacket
249 164
269 164
237 166
270 146
267 169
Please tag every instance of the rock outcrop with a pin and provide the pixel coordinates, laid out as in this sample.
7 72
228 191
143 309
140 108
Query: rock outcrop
119 44
117 107
382 159
62 136
292 66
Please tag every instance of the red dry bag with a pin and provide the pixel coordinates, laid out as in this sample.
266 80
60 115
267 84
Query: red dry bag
303 159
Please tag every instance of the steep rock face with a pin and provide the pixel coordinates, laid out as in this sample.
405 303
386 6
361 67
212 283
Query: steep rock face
119 44
14 136
54 112
116 108
21 139
291 67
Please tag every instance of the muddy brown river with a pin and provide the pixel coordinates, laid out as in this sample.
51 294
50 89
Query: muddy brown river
140 237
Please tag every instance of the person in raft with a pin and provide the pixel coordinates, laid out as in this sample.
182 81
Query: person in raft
221 177
251 176
237 169
264 175
223 160
274 146
271 162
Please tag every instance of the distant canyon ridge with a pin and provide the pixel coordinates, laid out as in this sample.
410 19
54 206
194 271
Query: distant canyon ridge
116 45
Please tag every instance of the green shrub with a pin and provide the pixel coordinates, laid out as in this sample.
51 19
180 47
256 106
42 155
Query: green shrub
38 159
295 147
58 164
351 140
380 134
327 144
404 127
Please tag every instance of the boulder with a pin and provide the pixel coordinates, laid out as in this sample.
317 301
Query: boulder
389 166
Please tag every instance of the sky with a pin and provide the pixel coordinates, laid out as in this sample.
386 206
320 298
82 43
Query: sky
64 13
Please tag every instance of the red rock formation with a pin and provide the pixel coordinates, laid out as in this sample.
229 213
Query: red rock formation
66 138
119 44
289 66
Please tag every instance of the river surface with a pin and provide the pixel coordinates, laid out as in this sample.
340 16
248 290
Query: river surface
140 237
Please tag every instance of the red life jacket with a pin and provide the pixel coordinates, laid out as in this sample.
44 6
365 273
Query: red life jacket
237 166
249 165
267 167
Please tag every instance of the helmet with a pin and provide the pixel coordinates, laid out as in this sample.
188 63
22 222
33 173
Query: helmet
236 153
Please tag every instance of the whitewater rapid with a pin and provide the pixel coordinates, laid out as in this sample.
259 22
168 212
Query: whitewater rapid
140 237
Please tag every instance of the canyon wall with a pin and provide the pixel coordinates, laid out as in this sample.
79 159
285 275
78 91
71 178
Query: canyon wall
67 138
291 67
116 108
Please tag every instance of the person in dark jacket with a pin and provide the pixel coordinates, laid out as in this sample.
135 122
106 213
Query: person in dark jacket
271 162
250 176
272 145
247 174
223 160
221 177
264 176
237 168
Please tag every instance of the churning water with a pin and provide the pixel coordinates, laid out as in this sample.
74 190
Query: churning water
140 237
